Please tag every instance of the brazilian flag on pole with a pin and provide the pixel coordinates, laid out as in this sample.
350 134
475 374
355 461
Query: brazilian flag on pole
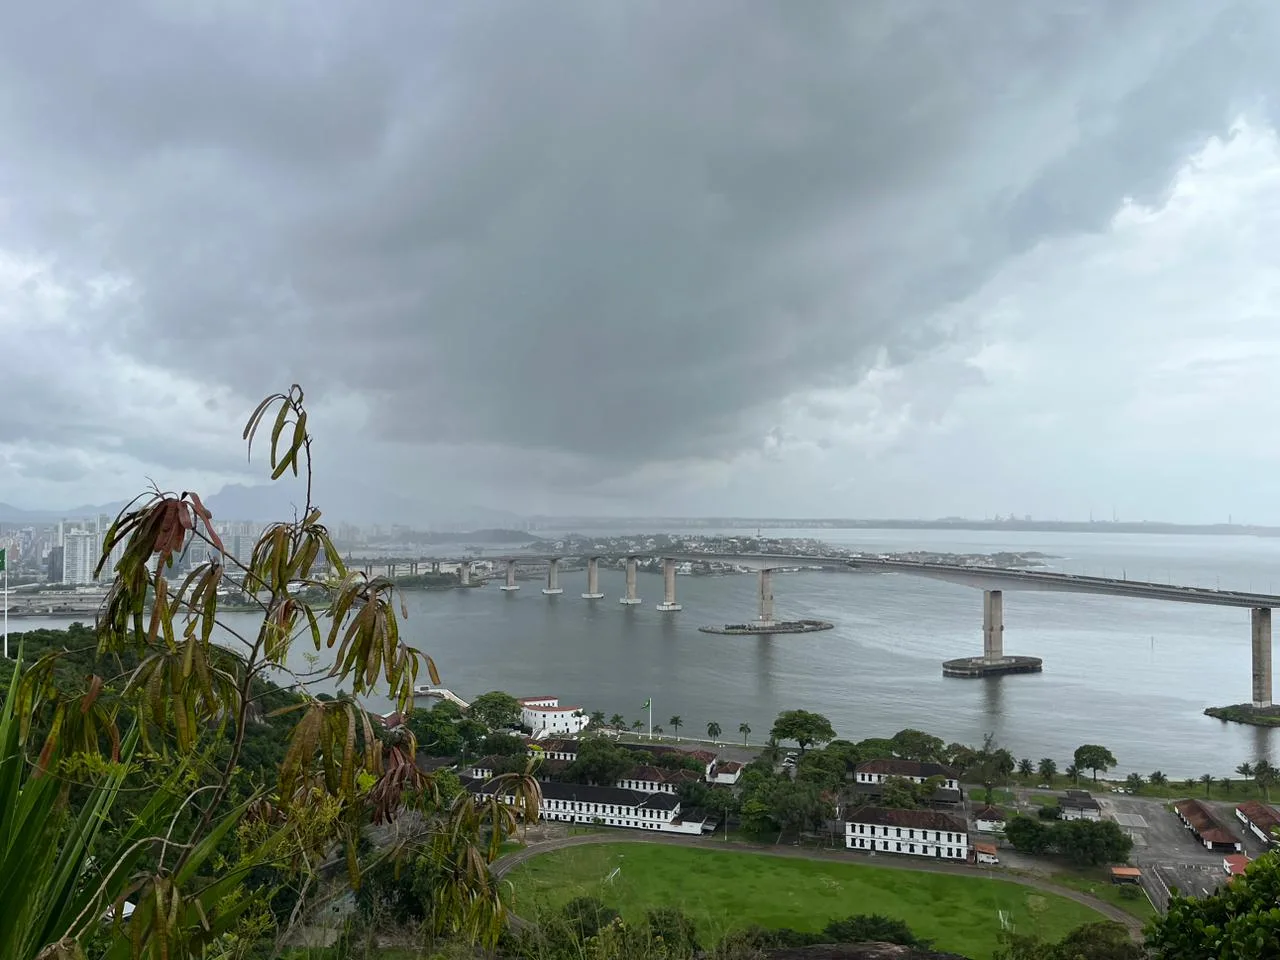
1 559
644 706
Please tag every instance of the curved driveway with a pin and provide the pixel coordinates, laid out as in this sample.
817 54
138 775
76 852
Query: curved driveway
503 865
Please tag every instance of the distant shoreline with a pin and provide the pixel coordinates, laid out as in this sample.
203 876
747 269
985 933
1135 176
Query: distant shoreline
686 524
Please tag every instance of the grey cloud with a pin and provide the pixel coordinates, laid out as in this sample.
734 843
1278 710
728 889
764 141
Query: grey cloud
615 231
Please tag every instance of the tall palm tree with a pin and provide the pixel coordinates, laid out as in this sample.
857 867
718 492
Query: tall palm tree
597 718
1246 771
1265 775
1048 770
1158 778
617 720
637 724
745 730
658 731
1073 771
1207 780
676 723
713 730
771 751
1026 768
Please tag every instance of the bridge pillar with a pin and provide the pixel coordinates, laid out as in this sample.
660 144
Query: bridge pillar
1260 621
435 566
766 600
511 577
391 571
631 597
553 577
593 580
413 568
992 625
668 603
368 570
464 572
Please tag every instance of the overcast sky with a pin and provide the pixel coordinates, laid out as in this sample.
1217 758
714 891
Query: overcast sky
899 258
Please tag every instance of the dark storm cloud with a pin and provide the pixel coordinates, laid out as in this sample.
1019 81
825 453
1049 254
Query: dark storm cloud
618 230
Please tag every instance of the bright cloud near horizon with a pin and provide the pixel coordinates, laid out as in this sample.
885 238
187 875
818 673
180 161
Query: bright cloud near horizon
893 258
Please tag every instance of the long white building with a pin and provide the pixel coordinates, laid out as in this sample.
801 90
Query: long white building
544 716
606 806
921 833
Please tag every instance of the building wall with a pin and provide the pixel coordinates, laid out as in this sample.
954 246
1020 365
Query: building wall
614 815
990 826
912 841
79 556
948 784
1075 813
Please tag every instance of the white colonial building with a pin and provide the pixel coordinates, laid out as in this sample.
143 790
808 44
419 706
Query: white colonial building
724 771
917 771
606 806
1079 805
544 716
989 820
1261 820
921 833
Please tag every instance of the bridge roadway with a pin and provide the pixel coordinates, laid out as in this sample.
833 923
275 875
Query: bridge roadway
993 581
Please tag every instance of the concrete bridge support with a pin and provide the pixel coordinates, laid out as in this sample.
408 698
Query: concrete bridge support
1260 621
668 604
765 619
511 577
630 599
413 568
553 578
464 572
435 566
593 580
992 625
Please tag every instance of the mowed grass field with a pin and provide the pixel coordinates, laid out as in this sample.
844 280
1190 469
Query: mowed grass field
727 891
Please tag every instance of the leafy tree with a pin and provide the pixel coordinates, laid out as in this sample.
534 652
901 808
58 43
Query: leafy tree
713 730
990 765
1240 921
757 818
1026 768
618 720
1047 770
744 729
917 745
875 748
673 932
870 928
899 793
1028 835
503 745
802 726
1091 756
180 833
1091 842
586 916
1158 778
601 762
676 723
496 710
436 730
1104 940
827 768
772 752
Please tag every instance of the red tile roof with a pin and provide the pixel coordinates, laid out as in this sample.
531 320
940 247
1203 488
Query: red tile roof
1260 815
917 819
1235 863
1207 827
906 768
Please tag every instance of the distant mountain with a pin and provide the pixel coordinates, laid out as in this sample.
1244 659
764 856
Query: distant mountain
12 514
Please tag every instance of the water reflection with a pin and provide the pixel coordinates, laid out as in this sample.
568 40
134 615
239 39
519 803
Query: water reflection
764 668
993 700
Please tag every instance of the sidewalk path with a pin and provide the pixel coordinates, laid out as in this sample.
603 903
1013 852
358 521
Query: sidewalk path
504 865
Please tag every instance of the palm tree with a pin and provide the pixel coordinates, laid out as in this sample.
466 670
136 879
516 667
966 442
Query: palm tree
1134 782
1207 780
658 731
771 751
617 720
1265 775
1189 783
745 730
1026 768
1048 770
713 730
1246 771
1073 771
676 724
1158 778
597 718
637 724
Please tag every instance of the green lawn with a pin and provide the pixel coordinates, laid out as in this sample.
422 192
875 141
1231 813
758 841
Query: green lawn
724 891
1098 883
998 796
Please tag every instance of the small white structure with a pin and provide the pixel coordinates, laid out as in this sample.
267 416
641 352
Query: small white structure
985 854
921 833
917 771
989 820
606 806
544 715
724 771
1261 820
1079 805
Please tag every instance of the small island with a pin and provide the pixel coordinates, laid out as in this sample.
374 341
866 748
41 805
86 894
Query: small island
1246 713
779 626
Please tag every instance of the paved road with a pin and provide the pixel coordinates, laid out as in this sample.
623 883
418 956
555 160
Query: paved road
505 864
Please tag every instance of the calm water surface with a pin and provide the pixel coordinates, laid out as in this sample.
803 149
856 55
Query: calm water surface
1132 674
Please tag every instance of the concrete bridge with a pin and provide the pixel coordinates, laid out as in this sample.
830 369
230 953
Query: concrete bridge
993 581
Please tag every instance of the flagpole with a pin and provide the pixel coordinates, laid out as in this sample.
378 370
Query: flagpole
4 562
650 699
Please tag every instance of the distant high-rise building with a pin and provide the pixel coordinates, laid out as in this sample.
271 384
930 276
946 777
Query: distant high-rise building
53 570
79 556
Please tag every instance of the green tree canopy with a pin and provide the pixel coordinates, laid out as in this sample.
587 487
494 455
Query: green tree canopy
918 745
496 710
1238 922
1092 756
802 727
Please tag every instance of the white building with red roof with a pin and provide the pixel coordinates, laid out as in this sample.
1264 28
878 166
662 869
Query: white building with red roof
545 717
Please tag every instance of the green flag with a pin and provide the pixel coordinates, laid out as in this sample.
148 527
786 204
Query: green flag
1 559
645 706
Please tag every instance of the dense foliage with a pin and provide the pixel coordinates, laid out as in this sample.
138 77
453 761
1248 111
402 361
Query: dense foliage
1086 842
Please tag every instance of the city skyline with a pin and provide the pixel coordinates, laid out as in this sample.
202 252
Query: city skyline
811 262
